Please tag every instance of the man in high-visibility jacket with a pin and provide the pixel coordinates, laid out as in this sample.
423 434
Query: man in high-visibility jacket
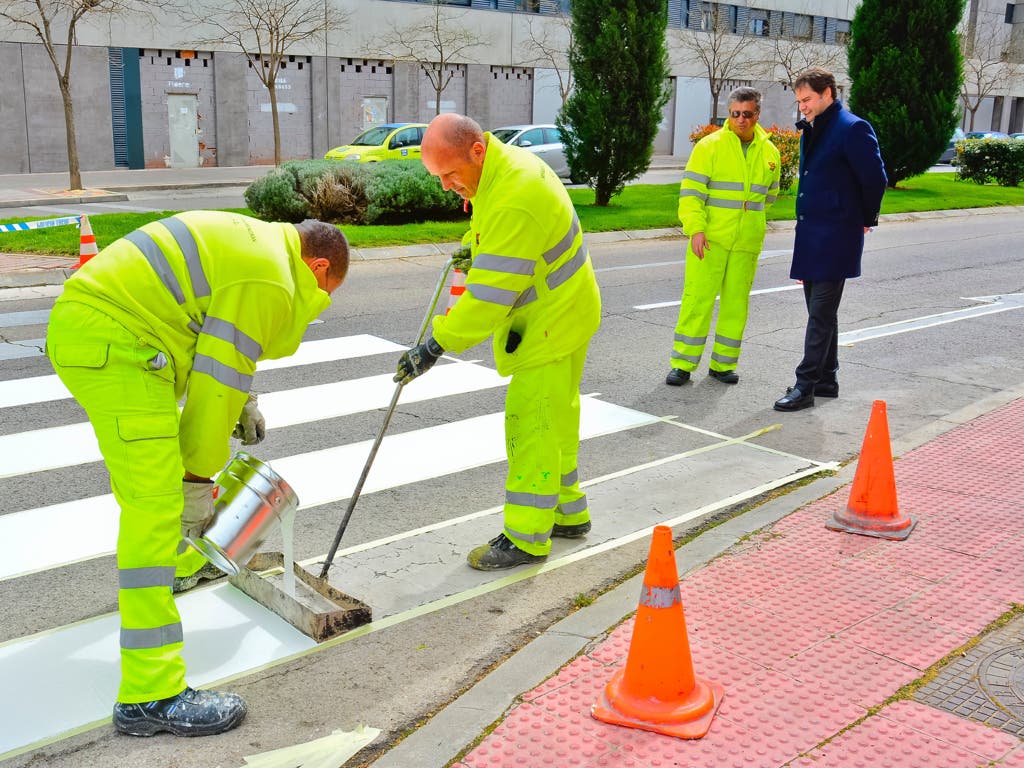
531 286
183 307
731 178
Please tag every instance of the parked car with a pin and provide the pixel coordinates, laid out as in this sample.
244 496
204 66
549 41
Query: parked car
391 141
987 135
543 140
950 153
1017 135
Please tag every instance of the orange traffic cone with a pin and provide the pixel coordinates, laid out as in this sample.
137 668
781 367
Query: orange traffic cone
458 288
657 690
872 509
86 241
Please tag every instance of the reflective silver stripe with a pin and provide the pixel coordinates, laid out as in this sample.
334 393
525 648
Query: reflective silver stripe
563 245
695 340
489 293
731 186
533 538
535 500
187 243
725 341
692 193
509 264
139 639
157 261
524 298
225 331
724 358
752 205
759 188
140 578
700 178
567 270
659 597
738 204
688 358
195 327
580 505
570 478
771 199
224 374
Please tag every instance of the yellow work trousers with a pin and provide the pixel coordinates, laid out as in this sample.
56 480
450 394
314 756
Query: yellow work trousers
127 390
725 273
542 440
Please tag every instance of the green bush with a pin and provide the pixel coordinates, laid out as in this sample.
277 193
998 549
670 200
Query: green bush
390 192
984 160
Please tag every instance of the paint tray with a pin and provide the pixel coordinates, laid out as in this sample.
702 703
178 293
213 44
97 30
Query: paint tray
317 609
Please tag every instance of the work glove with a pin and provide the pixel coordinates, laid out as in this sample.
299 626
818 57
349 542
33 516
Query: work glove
462 259
251 427
197 513
418 360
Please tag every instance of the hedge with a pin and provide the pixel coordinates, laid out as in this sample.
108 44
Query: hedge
345 192
785 140
984 160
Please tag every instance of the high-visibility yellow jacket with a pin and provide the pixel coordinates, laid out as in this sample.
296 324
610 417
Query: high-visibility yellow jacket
724 193
531 273
216 292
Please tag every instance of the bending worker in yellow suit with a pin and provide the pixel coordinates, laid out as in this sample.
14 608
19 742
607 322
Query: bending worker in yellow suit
532 287
731 178
183 307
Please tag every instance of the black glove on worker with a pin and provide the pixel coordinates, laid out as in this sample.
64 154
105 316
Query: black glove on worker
418 360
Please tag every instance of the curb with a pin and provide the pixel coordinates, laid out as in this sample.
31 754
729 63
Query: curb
110 197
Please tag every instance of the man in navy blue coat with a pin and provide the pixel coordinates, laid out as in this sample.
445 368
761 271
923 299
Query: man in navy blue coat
842 180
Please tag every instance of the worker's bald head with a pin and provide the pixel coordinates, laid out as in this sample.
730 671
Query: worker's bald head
453 149
325 251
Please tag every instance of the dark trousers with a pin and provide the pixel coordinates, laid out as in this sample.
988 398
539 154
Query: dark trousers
821 354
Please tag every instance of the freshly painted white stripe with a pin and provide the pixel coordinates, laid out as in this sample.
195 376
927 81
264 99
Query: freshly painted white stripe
15 350
41 389
31 292
661 304
993 305
72 444
32 317
88 526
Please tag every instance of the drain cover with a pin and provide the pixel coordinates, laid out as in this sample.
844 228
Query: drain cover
986 684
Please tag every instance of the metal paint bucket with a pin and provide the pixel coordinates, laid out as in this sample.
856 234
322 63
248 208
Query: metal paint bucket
251 499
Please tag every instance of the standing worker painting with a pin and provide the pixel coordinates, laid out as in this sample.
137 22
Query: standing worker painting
842 181
731 178
183 307
532 287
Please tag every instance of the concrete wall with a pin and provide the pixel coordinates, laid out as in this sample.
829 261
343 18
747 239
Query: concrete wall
453 97
364 85
231 136
547 97
163 72
14 154
294 108
498 96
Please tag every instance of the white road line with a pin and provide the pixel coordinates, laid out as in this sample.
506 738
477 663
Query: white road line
31 292
72 444
32 317
662 304
993 305
88 527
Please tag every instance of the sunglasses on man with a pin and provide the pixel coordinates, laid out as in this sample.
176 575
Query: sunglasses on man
745 114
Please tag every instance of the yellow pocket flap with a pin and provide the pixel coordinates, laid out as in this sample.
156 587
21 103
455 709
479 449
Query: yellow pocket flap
147 427
80 355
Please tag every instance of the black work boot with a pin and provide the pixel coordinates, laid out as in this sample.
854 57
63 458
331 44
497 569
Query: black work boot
677 377
499 553
190 713
571 531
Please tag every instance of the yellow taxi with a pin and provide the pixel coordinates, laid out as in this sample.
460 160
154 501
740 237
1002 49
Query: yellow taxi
390 141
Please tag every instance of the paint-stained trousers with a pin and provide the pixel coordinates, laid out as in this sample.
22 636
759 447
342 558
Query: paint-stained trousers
128 393
721 272
542 440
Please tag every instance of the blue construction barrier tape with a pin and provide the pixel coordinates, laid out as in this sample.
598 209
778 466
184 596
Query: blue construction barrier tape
21 226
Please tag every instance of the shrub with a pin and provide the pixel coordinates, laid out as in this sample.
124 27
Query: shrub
701 131
786 141
274 197
403 191
984 160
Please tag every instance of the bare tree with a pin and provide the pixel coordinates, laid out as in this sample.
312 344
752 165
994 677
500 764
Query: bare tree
437 44
549 43
791 57
722 53
265 31
55 23
987 67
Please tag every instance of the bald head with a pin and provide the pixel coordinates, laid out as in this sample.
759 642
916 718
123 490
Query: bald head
453 149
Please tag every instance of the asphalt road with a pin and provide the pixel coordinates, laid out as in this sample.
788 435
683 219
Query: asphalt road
395 677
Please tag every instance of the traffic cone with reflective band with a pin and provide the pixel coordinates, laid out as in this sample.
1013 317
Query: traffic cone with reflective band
872 509
458 288
86 241
657 690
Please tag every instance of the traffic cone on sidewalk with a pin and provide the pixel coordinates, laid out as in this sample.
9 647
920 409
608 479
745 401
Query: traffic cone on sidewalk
657 690
458 288
86 241
872 509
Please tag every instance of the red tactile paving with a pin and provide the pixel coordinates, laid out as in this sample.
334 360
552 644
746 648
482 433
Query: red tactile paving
974 737
906 638
1014 759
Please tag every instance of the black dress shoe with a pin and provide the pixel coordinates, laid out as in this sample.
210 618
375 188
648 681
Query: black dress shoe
794 400
726 377
677 377
827 390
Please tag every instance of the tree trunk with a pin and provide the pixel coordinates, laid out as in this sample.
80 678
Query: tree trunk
74 172
437 102
272 89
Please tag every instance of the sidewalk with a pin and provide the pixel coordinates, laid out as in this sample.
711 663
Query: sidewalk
813 634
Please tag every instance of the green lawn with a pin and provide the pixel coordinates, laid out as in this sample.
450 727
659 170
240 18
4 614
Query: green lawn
640 206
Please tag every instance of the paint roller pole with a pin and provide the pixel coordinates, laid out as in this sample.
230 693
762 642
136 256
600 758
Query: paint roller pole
329 560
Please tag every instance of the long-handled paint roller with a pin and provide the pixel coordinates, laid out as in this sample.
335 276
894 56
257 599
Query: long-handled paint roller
315 607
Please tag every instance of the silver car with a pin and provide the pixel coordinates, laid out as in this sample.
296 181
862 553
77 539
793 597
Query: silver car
543 140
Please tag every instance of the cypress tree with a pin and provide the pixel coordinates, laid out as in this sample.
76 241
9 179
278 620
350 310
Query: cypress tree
906 68
620 65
